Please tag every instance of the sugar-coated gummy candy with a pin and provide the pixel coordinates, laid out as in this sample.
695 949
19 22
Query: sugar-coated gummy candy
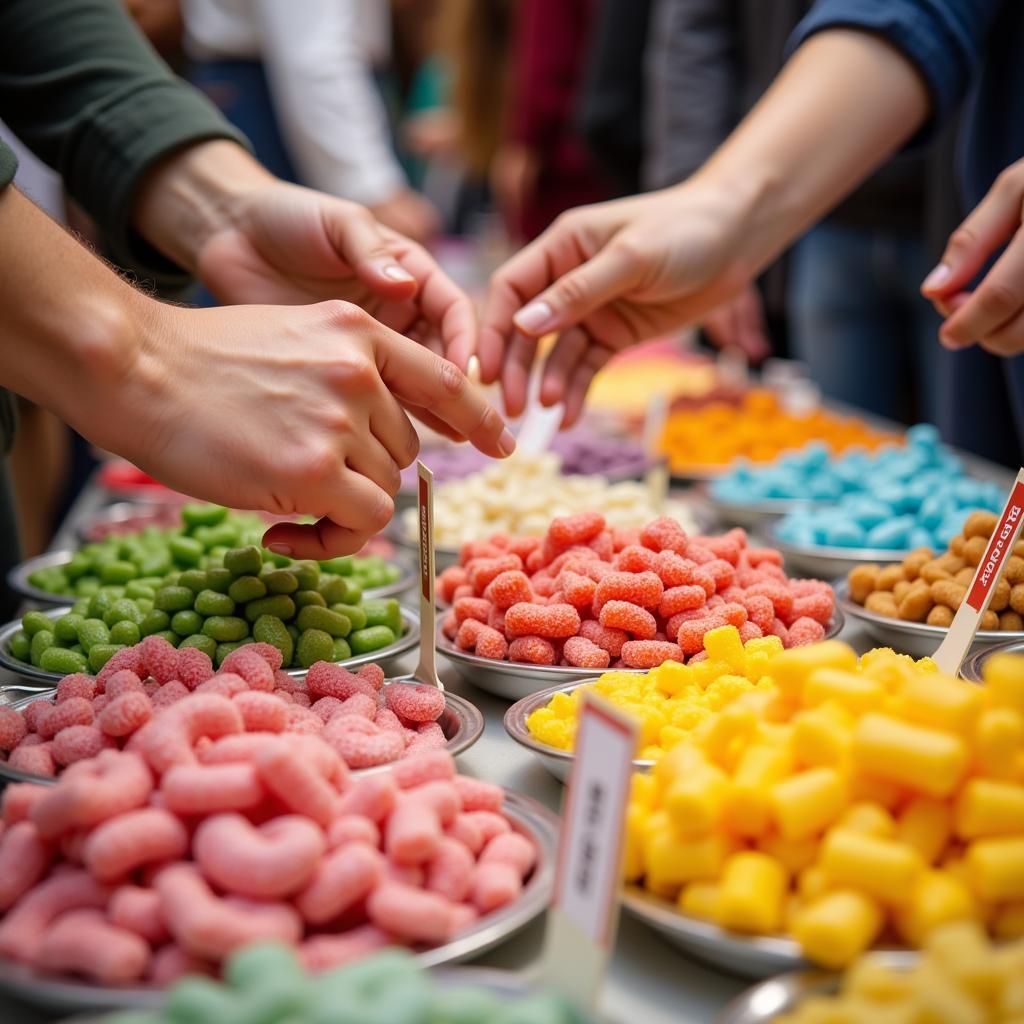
535 650
341 880
416 702
133 839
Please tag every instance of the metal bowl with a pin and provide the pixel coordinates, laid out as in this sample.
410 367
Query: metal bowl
829 563
752 515
443 557
527 817
385 657
749 956
18 578
762 1003
917 638
461 722
558 762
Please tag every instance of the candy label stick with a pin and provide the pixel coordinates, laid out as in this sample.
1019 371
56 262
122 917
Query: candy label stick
965 623
426 670
584 910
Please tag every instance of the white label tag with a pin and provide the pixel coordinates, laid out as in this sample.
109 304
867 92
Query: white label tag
584 912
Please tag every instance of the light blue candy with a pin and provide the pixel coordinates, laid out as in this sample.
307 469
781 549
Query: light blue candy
892 535
844 533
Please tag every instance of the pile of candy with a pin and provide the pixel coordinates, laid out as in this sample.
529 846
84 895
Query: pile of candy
672 700
843 803
199 838
580 452
760 429
923 588
308 615
520 495
960 978
591 596
366 722
896 500
207 532
267 983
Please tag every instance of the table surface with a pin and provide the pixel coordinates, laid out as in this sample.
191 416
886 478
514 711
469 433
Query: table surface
648 980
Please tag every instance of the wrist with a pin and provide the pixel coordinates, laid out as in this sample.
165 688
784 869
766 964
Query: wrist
193 194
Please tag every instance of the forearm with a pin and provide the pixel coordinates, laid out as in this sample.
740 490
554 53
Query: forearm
843 104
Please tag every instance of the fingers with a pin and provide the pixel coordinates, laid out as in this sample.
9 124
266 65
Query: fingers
991 222
594 358
752 333
368 248
391 428
515 376
428 419
324 539
420 378
372 460
1008 340
560 365
993 304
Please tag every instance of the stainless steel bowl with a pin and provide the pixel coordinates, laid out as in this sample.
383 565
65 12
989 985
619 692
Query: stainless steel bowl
973 666
386 657
916 638
756 516
444 558
558 762
527 816
829 563
762 1003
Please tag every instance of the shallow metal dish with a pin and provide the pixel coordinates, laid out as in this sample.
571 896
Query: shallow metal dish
443 557
916 638
762 1003
527 816
558 762
749 956
974 665
385 657
461 721
829 563
752 515
18 578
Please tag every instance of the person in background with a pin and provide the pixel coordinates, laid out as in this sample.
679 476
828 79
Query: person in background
299 82
864 79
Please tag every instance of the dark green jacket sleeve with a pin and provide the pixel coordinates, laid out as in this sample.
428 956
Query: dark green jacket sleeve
8 164
81 86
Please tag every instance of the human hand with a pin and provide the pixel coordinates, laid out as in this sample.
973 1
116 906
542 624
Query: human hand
606 277
513 179
991 316
410 214
739 324
293 410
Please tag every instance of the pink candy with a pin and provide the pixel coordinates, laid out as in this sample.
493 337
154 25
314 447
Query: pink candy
130 840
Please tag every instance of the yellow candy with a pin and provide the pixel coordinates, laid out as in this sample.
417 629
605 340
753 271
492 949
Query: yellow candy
870 818
1008 923
962 952
856 693
671 861
1004 681
926 825
791 668
838 927
820 737
726 733
876 981
999 743
941 703
793 854
989 808
751 894
995 868
699 899
937 899
724 644
633 847
749 805
808 803
884 868
812 884
926 759
940 1001
696 801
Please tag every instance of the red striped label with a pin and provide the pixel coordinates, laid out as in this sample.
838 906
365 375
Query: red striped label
999 548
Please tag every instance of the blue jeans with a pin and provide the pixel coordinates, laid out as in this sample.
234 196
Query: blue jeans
856 319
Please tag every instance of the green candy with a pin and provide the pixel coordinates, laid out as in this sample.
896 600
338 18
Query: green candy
36 622
315 617
201 642
314 645
226 628
154 621
223 536
209 602
372 638
253 965
21 646
307 573
186 622
41 641
196 513
246 588
65 629
353 612
137 590
247 561
92 632
279 605
293 632
185 550
77 566
157 564
340 566
268 629
118 571
223 650
302 598
100 654
342 651
124 609
196 1000
87 586
333 589
170 636
62 660
173 599
218 578
280 581
125 633
384 612
353 592
99 604
194 579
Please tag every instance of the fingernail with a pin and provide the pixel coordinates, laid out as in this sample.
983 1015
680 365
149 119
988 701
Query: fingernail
507 443
280 549
535 317
937 278
396 273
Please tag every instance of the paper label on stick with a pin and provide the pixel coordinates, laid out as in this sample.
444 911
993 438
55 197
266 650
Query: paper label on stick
584 911
999 549
426 525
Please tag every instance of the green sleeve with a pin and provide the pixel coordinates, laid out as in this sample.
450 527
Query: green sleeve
81 87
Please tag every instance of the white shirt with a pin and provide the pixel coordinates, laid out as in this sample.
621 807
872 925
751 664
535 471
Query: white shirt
318 56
